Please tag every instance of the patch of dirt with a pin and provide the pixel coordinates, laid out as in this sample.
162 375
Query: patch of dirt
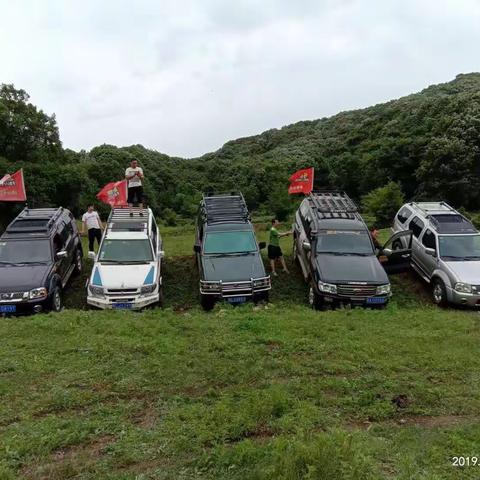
146 418
272 346
74 454
260 433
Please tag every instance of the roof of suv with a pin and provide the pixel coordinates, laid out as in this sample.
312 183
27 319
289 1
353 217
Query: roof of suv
224 211
443 218
121 226
34 223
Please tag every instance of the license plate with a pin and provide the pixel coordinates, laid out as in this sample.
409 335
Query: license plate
122 306
376 300
8 308
237 299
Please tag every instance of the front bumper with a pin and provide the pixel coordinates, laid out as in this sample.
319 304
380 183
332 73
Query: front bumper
134 303
373 301
467 299
250 289
25 307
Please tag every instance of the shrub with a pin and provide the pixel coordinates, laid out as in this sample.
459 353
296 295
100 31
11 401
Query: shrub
383 203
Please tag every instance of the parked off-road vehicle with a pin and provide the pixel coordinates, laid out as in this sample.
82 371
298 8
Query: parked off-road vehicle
445 251
338 256
127 273
228 255
39 251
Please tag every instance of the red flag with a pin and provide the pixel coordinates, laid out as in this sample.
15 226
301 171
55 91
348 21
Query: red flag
301 181
12 187
114 193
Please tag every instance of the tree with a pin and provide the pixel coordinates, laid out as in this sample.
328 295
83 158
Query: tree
383 203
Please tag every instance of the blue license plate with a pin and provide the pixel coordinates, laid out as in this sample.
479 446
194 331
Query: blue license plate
122 306
8 308
376 300
237 299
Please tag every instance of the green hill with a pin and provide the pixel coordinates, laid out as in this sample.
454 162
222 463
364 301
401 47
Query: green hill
429 142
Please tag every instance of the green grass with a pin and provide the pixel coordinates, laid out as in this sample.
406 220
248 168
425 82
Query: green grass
268 392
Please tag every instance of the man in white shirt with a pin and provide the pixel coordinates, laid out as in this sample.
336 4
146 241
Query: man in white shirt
91 221
134 176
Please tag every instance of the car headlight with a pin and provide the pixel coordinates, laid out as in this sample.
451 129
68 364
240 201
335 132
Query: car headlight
327 287
463 287
96 290
261 283
211 286
148 288
38 293
384 289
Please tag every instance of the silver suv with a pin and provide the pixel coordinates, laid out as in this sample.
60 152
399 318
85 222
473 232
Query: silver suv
445 251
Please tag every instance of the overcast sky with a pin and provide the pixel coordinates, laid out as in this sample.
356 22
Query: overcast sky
185 76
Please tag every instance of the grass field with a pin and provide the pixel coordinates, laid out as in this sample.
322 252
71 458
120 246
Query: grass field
268 392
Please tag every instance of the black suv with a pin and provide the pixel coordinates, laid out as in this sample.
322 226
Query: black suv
228 255
39 251
339 258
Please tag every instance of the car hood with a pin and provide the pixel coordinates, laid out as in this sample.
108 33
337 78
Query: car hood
344 269
22 278
466 272
123 276
231 268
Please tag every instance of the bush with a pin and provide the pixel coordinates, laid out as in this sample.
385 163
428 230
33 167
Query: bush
383 203
169 217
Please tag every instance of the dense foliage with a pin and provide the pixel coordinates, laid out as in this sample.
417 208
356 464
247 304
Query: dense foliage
429 143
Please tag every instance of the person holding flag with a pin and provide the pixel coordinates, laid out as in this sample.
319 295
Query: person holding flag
134 177
274 251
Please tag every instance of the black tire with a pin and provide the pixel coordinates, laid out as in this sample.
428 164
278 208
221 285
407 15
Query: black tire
78 262
208 302
314 299
160 296
261 297
439 293
56 301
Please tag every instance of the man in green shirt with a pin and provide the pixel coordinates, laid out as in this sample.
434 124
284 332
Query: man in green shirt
274 250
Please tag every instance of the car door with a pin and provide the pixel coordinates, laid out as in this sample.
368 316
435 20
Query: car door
62 261
427 259
302 225
395 255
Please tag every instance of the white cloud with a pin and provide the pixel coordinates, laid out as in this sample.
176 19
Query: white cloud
184 77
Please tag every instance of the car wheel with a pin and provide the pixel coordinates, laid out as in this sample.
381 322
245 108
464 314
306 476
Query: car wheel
56 301
314 299
261 297
439 293
208 302
160 296
78 262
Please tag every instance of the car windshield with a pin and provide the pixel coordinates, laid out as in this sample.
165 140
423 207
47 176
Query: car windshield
463 247
344 242
229 242
25 251
126 251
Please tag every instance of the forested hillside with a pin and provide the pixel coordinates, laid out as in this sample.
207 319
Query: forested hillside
428 142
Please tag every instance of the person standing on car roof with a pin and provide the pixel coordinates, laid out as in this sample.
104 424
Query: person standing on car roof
134 176
91 221
274 250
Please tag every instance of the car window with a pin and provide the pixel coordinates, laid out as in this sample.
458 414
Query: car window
428 239
58 243
416 226
125 251
404 214
344 242
459 247
229 242
27 251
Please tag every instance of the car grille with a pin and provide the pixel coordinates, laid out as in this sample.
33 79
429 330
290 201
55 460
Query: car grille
121 291
9 296
356 290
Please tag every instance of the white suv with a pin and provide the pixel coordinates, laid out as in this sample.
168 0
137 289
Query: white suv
127 269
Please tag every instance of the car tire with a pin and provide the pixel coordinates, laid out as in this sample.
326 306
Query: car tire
160 296
261 297
208 302
56 302
78 262
439 293
314 299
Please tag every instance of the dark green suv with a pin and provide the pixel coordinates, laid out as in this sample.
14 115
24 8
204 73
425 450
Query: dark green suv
227 251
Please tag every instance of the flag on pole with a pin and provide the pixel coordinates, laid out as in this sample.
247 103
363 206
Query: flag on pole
12 187
301 181
114 194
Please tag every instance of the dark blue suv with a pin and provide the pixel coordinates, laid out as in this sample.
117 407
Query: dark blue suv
39 251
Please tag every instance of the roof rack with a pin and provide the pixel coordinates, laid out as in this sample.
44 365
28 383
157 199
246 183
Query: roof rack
333 204
224 208
38 220
120 220
433 207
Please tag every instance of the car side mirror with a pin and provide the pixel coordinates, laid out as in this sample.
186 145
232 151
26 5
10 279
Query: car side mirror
161 254
306 246
386 251
431 252
61 254
197 248
91 255
262 245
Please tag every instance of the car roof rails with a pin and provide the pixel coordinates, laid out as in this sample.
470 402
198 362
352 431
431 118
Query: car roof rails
120 220
38 220
429 208
333 204
224 208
